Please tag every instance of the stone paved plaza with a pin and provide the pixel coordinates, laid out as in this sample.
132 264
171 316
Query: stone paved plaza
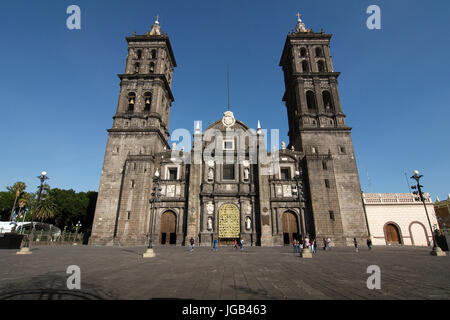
255 273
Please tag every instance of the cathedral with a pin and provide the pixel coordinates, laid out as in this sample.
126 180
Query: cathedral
230 185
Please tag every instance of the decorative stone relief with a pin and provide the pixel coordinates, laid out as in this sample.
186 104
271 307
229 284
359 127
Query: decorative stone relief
209 208
170 190
287 191
279 190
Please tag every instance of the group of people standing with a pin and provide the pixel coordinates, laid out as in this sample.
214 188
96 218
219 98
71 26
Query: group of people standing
216 243
368 241
310 244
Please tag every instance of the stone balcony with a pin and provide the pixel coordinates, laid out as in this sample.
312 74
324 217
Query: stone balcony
394 198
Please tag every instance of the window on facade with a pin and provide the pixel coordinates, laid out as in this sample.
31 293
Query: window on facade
305 67
341 149
318 52
147 101
327 183
137 65
311 100
321 66
228 172
151 67
173 173
133 184
327 101
153 54
303 52
131 101
285 174
228 145
139 54
331 215
128 215
324 165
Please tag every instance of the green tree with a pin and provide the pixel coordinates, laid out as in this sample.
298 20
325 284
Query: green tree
45 209
6 203
18 188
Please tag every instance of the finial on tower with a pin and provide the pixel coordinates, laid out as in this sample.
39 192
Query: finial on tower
258 129
156 29
300 27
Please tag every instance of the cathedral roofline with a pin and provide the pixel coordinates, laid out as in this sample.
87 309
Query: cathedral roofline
220 121
154 38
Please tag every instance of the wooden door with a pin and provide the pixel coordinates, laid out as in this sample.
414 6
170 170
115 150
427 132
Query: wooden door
392 234
290 227
168 228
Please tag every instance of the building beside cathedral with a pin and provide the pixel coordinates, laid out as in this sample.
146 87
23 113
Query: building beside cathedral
400 219
266 196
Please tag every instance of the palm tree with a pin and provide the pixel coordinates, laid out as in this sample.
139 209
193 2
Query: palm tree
24 201
45 209
18 188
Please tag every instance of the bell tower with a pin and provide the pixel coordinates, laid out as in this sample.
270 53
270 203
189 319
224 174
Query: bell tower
145 89
140 124
318 128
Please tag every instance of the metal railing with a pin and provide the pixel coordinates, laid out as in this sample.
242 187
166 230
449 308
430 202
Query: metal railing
48 238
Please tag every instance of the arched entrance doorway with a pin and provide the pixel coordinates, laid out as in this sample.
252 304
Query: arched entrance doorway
418 234
392 234
290 227
229 224
168 233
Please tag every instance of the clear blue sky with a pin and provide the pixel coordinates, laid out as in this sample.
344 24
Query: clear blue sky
59 87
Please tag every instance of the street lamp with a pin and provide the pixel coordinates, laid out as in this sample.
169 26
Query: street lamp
156 195
26 250
436 251
301 199
77 227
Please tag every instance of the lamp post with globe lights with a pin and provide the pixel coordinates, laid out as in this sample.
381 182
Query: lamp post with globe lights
436 251
156 195
77 228
301 199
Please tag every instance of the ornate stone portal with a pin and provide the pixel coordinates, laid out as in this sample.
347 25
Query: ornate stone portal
229 222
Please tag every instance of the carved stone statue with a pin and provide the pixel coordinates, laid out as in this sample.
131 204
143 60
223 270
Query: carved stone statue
248 223
210 226
246 173
283 145
211 174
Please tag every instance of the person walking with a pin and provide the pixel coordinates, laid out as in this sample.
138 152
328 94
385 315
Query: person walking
311 247
369 244
191 242
328 244
294 246
241 244
324 244
315 246
235 244
356 244
306 245
215 244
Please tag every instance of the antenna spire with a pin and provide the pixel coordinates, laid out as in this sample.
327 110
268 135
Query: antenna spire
228 86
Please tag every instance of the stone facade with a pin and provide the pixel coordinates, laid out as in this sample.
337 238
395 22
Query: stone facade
402 212
262 190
